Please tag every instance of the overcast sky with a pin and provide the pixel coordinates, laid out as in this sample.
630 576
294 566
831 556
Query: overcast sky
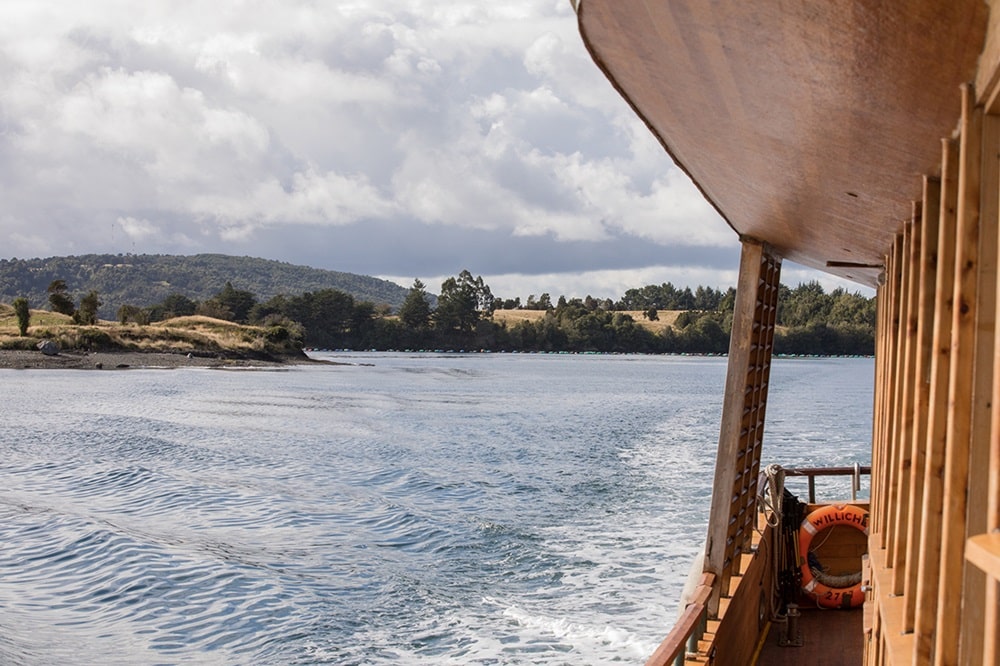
398 138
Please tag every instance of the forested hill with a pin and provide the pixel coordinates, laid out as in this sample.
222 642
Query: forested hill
143 280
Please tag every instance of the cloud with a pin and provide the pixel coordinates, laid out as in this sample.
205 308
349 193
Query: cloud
394 137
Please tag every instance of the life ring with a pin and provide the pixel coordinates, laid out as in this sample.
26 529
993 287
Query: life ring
830 594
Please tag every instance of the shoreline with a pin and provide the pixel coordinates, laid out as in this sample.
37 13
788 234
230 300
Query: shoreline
12 359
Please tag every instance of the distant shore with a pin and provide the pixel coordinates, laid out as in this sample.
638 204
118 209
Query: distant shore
122 360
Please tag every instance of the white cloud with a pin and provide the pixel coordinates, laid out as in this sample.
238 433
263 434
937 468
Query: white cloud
311 198
146 118
137 229
193 127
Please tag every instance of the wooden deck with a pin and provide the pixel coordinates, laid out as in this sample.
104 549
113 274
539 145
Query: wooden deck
829 638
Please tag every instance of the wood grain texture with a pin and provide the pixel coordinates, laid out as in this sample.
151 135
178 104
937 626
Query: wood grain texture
807 125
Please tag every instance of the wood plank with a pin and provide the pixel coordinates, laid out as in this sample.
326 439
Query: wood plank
930 537
880 510
736 637
741 431
898 644
830 638
991 641
898 398
676 641
974 583
983 551
991 618
987 81
960 391
879 402
901 507
848 147
930 213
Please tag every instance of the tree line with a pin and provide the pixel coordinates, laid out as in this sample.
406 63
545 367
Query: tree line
810 321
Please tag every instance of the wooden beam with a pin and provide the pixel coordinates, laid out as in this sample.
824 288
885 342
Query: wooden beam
933 486
891 402
975 582
898 397
991 644
930 214
742 426
878 412
991 618
960 390
904 458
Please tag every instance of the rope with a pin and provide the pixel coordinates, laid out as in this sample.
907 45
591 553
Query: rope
836 582
770 497
771 487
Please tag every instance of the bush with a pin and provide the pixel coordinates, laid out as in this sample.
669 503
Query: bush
94 339
23 314
19 344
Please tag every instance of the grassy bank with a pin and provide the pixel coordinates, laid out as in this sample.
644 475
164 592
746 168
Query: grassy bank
183 335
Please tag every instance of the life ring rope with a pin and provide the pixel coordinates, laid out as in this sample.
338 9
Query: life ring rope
831 591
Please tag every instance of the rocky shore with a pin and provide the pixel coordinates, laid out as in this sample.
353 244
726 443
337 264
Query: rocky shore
121 360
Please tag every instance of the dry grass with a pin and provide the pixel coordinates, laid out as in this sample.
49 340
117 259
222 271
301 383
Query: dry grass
8 319
666 317
182 334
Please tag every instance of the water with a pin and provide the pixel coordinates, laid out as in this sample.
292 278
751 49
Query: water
402 509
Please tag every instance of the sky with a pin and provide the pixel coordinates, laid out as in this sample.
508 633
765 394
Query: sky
397 138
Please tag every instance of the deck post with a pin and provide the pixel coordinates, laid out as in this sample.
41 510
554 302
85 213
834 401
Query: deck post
733 510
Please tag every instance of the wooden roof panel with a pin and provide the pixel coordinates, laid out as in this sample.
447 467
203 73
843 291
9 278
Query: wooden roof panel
807 125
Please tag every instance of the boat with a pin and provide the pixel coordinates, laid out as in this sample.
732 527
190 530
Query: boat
861 139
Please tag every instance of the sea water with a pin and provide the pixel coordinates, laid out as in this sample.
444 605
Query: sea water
392 509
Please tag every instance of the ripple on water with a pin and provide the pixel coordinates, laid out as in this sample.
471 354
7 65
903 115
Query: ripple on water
421 509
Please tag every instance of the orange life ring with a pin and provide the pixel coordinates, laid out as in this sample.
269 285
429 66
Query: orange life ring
822 518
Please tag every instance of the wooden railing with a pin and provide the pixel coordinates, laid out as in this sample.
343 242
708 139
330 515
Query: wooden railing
683 640
812 472
689 629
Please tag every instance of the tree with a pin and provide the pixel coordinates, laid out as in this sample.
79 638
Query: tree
236 301
462 302
415 312
178 305
652 314
89 305
133 313
58 300
23 313
214 309
805 305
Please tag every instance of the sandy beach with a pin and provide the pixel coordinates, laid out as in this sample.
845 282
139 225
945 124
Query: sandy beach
33 360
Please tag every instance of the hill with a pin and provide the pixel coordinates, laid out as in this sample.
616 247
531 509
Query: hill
144 279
